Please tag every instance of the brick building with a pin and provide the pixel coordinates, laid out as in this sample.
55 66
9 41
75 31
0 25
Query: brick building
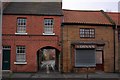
30 30
34 40
115 16
88 41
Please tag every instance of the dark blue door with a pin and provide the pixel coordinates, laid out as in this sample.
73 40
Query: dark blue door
6 60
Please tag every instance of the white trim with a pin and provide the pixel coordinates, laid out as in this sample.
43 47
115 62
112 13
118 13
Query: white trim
20 62
48 33
21 33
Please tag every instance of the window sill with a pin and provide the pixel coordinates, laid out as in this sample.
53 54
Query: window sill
48 34
21 33
20 62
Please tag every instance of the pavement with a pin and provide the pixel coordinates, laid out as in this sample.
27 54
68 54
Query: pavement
61 76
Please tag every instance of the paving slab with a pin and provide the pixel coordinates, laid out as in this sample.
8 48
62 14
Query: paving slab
60 76
21 75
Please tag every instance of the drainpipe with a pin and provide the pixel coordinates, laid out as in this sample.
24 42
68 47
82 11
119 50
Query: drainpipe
115 49
62 20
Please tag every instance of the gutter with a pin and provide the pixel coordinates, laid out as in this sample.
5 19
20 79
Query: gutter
92 24
32 14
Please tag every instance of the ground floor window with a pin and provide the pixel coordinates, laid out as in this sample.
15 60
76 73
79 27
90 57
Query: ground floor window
99 57
20 54
85 57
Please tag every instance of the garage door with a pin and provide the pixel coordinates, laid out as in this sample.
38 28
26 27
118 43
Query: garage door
85 58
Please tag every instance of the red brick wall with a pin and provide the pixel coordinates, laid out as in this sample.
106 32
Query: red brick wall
33 41
35 24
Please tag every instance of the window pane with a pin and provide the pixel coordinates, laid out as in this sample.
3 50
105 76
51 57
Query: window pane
21 25
87 32
98 57
48 26
20 53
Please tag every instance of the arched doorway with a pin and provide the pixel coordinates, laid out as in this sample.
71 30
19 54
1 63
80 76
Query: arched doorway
48 59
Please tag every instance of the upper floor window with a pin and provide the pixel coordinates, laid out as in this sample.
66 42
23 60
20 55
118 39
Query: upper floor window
87 32
48 26
21 25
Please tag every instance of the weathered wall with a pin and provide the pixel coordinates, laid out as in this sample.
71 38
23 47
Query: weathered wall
104 33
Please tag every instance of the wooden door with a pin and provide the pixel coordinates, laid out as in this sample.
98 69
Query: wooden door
99 60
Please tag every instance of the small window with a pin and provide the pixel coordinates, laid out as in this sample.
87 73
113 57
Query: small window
20 54
99 57
87 33
21 25
48 26
119 34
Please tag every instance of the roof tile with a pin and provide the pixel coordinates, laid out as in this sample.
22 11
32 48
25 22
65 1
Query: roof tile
115 16
87 17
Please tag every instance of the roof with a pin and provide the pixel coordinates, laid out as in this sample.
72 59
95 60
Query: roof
34 8
5 4
115 16
85 17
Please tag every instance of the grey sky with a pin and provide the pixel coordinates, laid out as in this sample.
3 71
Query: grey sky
106 5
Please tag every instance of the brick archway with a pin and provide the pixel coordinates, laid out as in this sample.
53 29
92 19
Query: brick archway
53 59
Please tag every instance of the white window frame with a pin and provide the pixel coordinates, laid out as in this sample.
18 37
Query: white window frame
20 56
21 25
48 26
